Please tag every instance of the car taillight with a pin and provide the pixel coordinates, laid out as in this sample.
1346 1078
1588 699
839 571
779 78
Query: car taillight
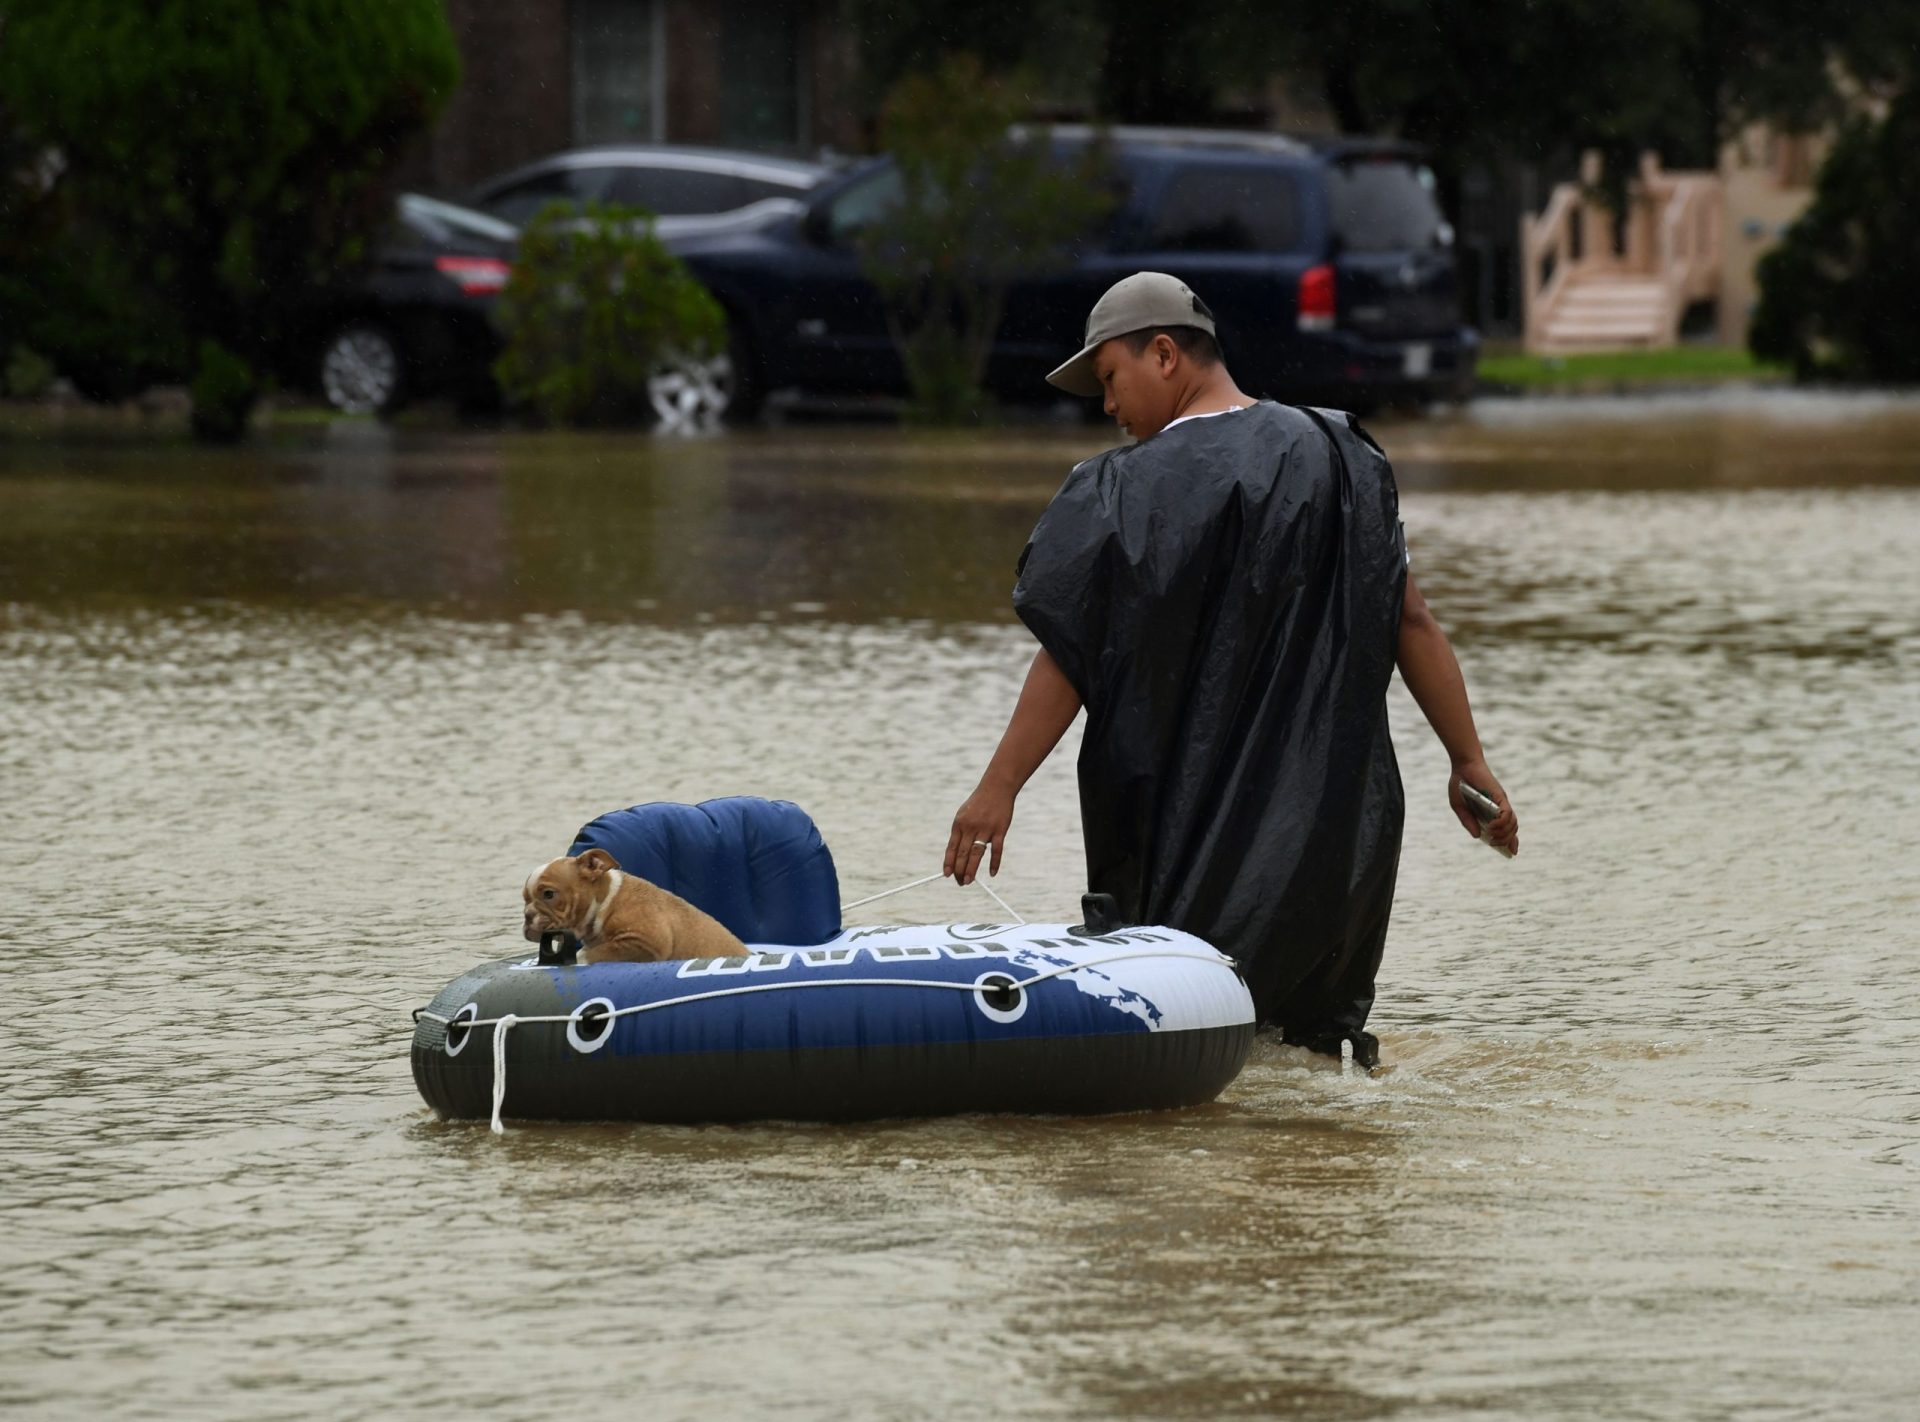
1316 299
477 276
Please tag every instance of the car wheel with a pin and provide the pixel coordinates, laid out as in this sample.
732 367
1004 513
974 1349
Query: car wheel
361 371
692 392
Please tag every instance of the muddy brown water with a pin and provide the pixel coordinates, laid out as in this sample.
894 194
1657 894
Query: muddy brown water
282 728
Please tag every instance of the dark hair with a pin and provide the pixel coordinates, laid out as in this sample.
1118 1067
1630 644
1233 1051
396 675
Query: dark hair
1193 342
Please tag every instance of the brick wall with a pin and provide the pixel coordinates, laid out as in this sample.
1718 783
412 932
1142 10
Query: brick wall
693 72
829 81
515 99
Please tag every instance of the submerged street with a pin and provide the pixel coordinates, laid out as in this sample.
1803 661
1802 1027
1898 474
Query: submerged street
283 726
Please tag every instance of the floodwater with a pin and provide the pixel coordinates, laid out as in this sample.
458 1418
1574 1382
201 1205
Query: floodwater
282 728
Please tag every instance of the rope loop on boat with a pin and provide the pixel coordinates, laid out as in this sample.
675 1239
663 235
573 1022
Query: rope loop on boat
501 1026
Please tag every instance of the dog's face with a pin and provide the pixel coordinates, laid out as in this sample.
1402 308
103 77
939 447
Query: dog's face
560 896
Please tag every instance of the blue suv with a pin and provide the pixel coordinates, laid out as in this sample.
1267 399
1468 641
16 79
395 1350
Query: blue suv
1328 265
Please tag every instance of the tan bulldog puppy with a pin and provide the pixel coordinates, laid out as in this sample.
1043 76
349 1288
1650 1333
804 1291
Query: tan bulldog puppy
619 918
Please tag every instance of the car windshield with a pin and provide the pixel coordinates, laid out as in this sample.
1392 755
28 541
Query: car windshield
868 200
1385 205
444 222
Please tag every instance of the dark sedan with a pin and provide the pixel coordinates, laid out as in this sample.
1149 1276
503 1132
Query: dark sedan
418 321
668 181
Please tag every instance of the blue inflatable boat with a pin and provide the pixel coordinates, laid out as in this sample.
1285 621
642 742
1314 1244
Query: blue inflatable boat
824 1022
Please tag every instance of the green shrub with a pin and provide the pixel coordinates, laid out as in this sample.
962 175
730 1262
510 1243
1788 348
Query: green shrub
1840 297
223 391
214 158
595 306
80 303
979 206
28 374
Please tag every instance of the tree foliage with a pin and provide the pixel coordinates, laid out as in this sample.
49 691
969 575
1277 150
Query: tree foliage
1840 297
595 306
979 204
1130 61
195 165
1533 79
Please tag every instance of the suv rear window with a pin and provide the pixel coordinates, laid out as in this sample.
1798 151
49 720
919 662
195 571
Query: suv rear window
1227 209
1384 205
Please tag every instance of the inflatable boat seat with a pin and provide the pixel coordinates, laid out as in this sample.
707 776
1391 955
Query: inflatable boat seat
759 866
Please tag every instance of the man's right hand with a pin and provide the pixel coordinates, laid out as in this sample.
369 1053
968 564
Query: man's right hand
1047 705
980 824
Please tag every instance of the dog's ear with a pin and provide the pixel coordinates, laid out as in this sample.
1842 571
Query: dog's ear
595 862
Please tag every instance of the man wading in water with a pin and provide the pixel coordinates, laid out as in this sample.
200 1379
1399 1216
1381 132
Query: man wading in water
1228 599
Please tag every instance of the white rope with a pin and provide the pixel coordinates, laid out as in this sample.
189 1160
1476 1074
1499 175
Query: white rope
1002 902
889 893
507 1020
503 1023
744 989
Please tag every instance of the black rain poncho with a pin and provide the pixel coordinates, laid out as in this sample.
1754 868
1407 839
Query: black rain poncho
1225 597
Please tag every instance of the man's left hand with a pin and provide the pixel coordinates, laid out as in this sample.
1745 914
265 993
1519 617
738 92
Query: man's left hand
1503 830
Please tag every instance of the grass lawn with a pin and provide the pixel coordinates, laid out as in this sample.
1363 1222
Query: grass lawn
1682 365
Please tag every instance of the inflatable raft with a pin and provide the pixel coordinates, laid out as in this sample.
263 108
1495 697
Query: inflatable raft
824 1022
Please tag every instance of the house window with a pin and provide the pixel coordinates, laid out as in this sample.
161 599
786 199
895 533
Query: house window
617 71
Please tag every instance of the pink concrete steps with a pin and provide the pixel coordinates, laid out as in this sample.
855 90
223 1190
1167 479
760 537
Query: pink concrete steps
1602 311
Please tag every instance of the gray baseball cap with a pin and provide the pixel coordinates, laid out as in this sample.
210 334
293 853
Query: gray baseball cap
1137 303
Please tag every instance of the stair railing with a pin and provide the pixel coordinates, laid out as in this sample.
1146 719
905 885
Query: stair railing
1673 234
1689 248
1546 256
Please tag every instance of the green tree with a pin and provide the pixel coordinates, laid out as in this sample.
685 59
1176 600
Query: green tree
1840 297
596 306
1532 79
980 204
199 163
896 39
1543 78
1128 61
